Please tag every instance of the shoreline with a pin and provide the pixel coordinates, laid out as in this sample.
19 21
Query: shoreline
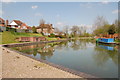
31 43
15 65
73 72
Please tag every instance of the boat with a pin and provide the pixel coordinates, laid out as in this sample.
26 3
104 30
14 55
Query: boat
105 40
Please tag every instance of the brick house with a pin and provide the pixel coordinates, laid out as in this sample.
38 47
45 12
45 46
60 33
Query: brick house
46 29
2 25
20 26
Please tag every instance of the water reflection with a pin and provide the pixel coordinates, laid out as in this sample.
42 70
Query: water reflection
96 59
103 53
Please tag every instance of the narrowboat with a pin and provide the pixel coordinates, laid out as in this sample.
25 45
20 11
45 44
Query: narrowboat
105 40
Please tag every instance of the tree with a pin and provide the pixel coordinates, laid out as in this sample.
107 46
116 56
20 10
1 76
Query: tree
99 21
117 26
82 30
111 29
101 30
42 21
34 29
75 30
66 31
56 30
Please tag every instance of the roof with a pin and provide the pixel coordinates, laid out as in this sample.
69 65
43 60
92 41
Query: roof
18 22
45 26
2 20
21 24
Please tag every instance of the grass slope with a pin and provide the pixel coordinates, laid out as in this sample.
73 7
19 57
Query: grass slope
9 37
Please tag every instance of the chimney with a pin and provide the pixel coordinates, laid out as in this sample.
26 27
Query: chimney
7 22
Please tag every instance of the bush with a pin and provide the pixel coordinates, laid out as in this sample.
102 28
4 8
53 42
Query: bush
52 35
10 29
34 29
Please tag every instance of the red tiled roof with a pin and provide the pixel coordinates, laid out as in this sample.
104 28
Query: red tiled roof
45 26
21 24
18 22
26 26
29 27
2 20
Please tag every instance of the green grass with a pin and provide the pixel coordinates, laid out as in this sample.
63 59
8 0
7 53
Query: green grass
9 37
51 39
118 41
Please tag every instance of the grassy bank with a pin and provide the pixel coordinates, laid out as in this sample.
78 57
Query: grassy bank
9 37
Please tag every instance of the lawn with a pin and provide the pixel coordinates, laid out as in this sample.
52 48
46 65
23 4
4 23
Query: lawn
9 37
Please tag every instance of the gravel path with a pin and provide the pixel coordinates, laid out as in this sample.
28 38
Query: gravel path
15 65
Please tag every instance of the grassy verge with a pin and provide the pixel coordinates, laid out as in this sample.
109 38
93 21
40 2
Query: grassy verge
9 37
118 41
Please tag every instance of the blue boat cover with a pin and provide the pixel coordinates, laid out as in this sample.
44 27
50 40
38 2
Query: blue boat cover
106 40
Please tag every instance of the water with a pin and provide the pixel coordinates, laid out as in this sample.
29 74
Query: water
81 55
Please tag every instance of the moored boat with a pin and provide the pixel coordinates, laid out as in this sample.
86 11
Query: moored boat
105 40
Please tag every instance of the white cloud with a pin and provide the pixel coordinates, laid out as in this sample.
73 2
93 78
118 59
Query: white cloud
115 11
34 7
105 2
38 14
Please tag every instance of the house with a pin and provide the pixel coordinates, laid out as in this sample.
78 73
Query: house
20 26
2 25
46 29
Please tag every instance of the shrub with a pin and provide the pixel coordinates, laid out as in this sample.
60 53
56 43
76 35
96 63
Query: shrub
52 35
10 29
34 29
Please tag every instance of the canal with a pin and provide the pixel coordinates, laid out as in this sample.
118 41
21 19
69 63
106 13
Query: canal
80 55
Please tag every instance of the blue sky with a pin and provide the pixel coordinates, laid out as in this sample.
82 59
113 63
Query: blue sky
59 13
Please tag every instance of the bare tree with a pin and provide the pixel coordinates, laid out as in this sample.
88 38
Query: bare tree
42 21
75 30
66 29
82 30
57 30
99 21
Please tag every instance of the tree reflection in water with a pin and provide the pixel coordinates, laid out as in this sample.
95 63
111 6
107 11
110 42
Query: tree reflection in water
45 51
102 55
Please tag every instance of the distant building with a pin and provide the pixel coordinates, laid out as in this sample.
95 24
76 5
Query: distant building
20 26
2 25
46 29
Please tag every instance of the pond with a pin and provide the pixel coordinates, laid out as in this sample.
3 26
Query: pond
80 55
